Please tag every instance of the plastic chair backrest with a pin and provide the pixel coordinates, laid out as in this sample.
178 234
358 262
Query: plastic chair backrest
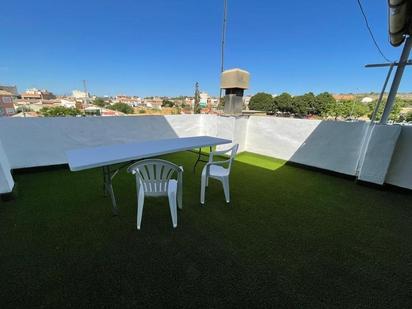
233 152
154 175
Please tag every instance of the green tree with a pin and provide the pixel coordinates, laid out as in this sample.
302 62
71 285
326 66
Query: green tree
372 106
122 107
359 110
301 105
59 111
196 107
324 102
176 111
167 103
396 110
347 109
100 102
331 110
187 107
283 103
310 101
261 102
221 104
408 117
397 107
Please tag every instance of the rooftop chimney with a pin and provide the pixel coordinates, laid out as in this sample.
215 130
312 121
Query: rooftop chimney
234 81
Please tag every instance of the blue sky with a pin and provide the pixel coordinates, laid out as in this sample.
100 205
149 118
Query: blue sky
162 47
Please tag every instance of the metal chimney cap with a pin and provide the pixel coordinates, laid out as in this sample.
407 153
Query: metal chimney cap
235 78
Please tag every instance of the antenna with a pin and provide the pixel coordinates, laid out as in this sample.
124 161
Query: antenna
222 59
222 55
85 87
86 93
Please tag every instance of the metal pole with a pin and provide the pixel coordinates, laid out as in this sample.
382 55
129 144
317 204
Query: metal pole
397 80
380 65
369 129
375 112
222 55
223 36
86 93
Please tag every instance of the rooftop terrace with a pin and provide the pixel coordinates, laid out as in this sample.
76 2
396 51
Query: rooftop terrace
292 237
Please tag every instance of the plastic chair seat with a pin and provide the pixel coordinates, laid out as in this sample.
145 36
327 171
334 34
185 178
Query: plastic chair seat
216 171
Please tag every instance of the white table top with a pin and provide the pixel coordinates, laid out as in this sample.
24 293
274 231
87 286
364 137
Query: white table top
91 157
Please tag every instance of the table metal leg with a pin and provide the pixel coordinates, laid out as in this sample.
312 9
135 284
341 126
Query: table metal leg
104 181
198 159
108 187
199 155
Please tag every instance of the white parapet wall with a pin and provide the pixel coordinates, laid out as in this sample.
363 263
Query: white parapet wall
329 145
233 128
400 168
379 152
6 179
277 137
30 142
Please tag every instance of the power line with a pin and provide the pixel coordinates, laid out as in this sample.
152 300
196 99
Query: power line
370 32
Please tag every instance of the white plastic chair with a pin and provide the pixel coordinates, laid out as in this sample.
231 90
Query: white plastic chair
216 170
154 178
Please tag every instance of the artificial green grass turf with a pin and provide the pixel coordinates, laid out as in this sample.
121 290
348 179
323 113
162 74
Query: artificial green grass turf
291 238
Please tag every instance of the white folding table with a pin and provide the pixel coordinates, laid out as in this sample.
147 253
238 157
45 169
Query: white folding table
105 156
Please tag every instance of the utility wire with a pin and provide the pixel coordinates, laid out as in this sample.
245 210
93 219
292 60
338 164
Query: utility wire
371 33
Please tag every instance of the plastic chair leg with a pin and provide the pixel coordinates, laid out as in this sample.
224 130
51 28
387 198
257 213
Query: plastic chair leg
202 189
225 182
140 204
173 207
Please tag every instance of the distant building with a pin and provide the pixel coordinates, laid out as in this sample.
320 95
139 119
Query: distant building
344 97
129 100
108 112
35 94
190 102
78 94
11 89
246 100
155 103
214 102
68 103
35 106
81 98
6 103
203 99
100 111
93 111
367 100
